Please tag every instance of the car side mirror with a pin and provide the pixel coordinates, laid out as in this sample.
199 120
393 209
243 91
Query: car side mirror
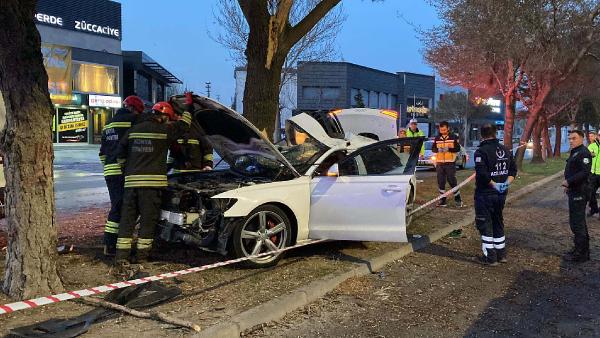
334 171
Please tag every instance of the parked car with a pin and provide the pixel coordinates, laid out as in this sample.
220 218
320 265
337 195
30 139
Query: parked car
428 160
319 185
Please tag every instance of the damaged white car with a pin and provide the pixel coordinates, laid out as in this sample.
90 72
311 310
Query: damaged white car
316 186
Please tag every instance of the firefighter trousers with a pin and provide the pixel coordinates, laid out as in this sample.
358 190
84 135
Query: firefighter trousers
115 185
446 172
145 203
490 223
577 222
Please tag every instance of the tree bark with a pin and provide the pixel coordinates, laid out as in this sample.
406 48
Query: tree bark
509 120
558 141
531 119
27 145
537 145
546 144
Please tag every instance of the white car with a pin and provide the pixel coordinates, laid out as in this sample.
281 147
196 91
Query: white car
378 124
318 186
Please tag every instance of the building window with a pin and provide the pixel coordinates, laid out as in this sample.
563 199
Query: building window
160 92
373 99
394 102
311 93
365 95
94 78
321 93
142 87
383 100
353 93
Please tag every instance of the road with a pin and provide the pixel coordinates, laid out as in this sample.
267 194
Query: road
442 291
78 178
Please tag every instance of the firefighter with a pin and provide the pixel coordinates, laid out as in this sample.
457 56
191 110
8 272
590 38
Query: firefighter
414 131
577 172
594 148
192 152
446 146
144 150
112 133
495 169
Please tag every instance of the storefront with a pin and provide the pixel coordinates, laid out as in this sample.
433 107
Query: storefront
81 46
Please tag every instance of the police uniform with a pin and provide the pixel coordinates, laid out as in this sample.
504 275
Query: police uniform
577 173
594 148
144 150
112 133
493 163
446 148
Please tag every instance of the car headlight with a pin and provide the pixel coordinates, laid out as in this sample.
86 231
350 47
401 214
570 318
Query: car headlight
177 218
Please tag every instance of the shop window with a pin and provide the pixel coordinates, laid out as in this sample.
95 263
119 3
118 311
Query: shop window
330 93
142 87
94 78
100 116
160 92
311 93
373 99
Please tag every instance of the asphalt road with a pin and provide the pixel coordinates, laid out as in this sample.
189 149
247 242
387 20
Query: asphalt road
442 291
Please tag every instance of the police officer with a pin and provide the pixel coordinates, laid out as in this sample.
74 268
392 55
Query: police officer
495 169
144 151
577 172
594 148
446 147
112 133
414 131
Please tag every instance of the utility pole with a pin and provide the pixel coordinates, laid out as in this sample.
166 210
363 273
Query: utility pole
207 88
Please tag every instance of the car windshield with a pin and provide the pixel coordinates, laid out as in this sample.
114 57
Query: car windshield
301 149
428 145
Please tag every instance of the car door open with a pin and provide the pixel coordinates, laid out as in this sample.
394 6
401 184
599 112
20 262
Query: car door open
366 198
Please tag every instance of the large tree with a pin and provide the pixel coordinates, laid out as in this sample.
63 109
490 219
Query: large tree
27 147
273 31
475 47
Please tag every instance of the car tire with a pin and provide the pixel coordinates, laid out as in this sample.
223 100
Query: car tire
251 235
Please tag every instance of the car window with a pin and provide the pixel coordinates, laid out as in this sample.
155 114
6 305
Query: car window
428 145
394 157
301 149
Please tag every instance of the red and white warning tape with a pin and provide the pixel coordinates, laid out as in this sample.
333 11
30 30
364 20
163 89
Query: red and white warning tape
61 297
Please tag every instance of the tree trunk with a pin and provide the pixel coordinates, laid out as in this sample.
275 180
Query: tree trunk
546 144
27 145
537 145
558 141
531 119
509 120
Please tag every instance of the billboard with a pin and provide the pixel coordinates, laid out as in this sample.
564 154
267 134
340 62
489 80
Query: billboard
72 125
58 64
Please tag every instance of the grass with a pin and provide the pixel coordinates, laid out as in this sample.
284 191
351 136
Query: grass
433 218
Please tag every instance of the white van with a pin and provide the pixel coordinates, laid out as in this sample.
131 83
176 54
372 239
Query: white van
378 124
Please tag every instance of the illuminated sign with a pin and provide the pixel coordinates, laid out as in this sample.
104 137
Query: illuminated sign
417 107
48 19
494 104
72 125
105 101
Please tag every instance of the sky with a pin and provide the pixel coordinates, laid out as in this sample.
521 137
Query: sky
177 33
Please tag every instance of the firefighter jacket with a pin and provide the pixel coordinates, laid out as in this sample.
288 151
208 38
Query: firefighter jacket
578 169
112 133
446 148
143 150
192 152
416 133
493 162
594 148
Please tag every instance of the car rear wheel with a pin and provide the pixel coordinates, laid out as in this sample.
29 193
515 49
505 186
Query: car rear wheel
265 229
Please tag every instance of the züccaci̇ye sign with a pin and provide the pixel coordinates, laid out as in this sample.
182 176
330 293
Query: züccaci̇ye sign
99 17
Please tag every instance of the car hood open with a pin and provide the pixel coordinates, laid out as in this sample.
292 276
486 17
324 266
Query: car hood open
232 136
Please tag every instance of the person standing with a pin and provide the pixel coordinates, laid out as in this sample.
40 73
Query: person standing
446 147
192 152
414 131
144 151
577 173
594 148
495 169
112 133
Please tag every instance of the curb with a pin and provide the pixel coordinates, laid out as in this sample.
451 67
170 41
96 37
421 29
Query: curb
277 308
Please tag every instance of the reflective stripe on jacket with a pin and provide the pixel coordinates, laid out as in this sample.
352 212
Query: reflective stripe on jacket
440 143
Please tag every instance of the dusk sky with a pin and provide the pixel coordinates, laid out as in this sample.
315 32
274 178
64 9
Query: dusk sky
177 36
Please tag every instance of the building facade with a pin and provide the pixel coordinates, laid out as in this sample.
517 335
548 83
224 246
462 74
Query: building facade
339 85
81 45
146 78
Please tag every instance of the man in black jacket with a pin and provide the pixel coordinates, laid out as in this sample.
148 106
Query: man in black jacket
495 169
112 133
577 173
192 152
144 151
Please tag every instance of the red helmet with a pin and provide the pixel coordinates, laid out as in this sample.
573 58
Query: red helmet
165 108
135 102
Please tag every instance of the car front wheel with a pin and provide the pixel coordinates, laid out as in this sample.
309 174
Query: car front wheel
265 229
